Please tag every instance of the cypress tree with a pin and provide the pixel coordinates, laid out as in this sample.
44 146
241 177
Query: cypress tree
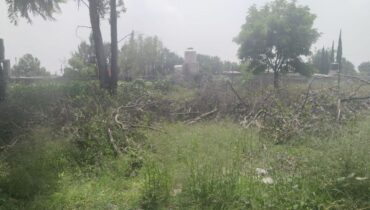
332 56
340 51
322 61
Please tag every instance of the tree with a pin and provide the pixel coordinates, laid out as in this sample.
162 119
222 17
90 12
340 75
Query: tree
81 64
340 52
29 66
332 54
347 67
321 61
276 36
114 46
24 9
214 65
364 68
97 10
146 57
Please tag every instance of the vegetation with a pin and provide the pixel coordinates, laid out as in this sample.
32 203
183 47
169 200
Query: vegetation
275 37
364 68
146 57
149 141
24 9
81 64
61 157
29 66
321 60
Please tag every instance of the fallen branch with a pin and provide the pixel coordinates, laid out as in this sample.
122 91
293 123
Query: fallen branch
307 95
355 99
10 145
197 119
253 119
237 95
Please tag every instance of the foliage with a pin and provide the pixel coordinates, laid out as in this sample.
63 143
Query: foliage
321 60
65 161
81 64
364 68
276 36
29 66
24 9
340 50
214 65
347 67
146 57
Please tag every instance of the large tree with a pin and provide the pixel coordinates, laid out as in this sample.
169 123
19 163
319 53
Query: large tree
275 37
97 10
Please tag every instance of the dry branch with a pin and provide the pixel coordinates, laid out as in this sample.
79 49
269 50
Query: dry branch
199 118
236 94
355 99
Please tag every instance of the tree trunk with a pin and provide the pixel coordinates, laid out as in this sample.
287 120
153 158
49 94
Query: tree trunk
2 50
276 79
114 46
98 44
4 68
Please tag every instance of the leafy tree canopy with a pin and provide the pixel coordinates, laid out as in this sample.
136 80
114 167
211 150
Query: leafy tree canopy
26 8
29 66
275 37
81 64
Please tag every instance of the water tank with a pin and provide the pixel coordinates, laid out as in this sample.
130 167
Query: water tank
190 56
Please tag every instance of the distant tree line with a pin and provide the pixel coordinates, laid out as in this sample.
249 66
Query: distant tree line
29 66
146 57
322 60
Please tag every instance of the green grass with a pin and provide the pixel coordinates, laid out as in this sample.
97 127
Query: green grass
209 165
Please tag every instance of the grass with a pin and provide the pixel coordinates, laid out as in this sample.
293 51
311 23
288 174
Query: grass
210 165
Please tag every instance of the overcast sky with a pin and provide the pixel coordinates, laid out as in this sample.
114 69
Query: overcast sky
207 25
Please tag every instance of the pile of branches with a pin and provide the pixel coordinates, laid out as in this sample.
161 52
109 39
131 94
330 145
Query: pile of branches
281 115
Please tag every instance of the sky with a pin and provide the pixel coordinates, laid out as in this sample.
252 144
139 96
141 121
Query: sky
206 25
